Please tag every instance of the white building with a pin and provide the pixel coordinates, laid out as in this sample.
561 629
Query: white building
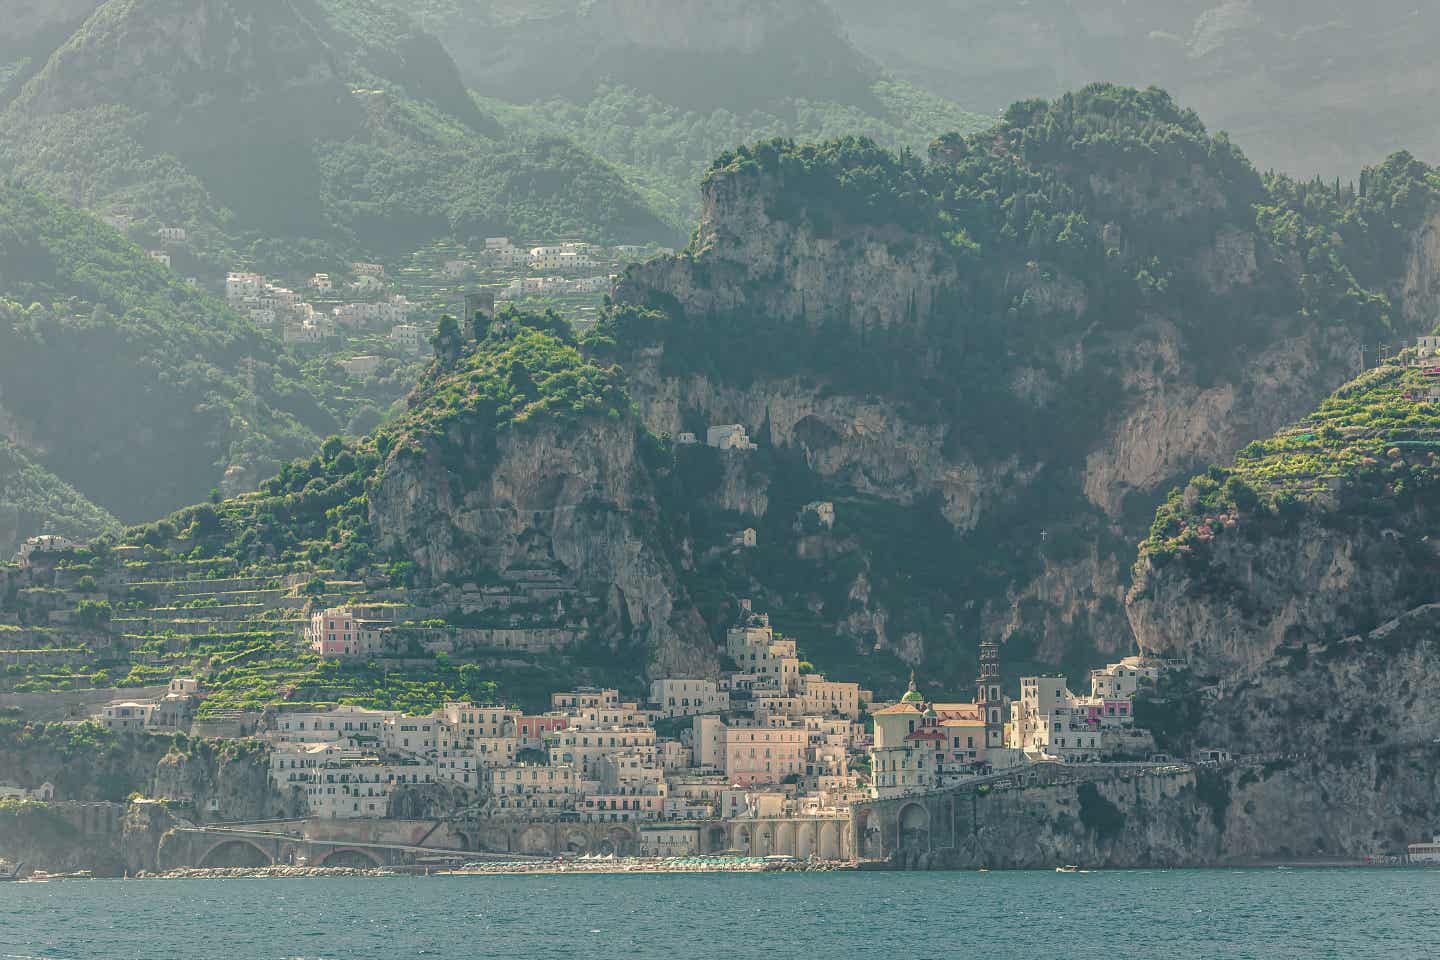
172 234
361 367
728 436
240 287
127 716
322 282
407 337
682 697
353 787
343 725
45 543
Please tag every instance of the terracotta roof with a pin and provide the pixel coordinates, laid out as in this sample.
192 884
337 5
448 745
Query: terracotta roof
896 708
959 711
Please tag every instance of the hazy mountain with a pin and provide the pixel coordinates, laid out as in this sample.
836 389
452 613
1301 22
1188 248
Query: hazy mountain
1321 87
126 383
33 501
659 88
330 119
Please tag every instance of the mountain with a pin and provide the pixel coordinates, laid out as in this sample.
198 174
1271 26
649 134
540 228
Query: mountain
1310 88
993 362
659 89
34 501
996 362
1299 584
324 120
124 382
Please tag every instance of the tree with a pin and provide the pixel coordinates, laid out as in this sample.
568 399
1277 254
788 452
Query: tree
447 342
94 613
315 588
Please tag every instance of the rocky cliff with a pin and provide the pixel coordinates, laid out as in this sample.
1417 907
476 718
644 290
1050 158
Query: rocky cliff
569 505
1033 375
1300 587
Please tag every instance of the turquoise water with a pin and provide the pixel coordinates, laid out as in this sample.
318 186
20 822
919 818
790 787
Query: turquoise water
1105 916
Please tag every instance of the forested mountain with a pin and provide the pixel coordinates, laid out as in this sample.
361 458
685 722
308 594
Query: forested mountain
330 121
659 89
33 501
994 361
997 361
1321 87
126 383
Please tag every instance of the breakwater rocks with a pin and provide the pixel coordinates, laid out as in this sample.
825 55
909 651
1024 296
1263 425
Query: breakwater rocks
650 865
262 873
514 868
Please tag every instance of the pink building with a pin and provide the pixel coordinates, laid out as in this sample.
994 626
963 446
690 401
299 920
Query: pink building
337 633
763 754
532 730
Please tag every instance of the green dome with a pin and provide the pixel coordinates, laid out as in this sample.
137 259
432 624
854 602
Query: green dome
912 695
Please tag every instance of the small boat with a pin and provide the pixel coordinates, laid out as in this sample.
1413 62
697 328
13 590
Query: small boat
11 871
1068 868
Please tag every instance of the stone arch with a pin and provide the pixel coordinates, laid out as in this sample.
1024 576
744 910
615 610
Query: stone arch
827 843
576 842
914 823
807 839
764 839
236 853
535 840
744 841
622 840
349 857
785 838
868 841
719 840
464 840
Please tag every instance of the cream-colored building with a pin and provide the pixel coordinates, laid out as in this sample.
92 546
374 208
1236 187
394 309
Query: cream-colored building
820 696
759 755
343 724
583 748
353 787
685 697
755 649
532 790
127 716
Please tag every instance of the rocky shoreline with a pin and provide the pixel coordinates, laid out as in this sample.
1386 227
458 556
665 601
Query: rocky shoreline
514 868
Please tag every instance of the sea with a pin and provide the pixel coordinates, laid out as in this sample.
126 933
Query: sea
1104 915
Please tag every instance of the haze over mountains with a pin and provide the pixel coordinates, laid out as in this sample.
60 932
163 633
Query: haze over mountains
1321 87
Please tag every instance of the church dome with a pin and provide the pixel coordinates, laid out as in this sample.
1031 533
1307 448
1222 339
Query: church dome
912 695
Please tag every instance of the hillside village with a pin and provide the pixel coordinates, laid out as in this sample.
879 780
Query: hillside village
694 765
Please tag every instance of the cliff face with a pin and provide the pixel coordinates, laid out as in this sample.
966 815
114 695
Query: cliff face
1299 586
568 506
1032 405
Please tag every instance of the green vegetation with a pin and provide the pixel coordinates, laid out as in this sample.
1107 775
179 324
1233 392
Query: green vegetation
128 379
380 145
33 500
663 149
527 371
1374 442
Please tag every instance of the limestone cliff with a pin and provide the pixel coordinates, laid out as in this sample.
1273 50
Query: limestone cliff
1300 586
569 504
883 351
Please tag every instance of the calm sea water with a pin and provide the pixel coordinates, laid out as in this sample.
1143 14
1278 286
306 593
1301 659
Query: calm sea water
1311 913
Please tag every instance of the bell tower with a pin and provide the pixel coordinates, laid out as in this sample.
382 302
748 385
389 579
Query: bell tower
987 694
